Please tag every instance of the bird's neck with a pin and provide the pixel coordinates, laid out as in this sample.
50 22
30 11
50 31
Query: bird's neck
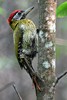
13 24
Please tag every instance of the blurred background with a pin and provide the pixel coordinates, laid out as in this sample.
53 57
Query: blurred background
9 67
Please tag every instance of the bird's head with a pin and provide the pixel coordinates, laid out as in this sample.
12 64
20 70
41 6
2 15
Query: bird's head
19 14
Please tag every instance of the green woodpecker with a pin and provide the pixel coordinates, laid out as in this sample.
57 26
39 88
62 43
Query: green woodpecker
25 42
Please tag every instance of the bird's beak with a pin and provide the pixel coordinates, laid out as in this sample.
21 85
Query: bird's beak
24 14
28 10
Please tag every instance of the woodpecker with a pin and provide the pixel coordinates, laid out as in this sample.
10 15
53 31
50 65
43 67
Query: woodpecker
25 42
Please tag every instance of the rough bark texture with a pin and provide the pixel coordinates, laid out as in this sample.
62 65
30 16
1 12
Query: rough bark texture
46 53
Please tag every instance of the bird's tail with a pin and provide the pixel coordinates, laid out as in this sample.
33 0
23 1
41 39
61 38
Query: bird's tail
38 82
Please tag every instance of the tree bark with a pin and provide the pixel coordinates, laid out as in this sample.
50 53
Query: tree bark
46 47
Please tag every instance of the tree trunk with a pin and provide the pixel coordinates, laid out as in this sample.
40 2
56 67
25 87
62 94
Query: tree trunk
46 47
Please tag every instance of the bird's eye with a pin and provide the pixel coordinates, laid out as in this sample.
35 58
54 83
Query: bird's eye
19 13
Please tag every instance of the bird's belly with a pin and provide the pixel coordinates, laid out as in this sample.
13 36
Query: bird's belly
27 39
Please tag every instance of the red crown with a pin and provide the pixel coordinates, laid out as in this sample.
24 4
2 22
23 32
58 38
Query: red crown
12 15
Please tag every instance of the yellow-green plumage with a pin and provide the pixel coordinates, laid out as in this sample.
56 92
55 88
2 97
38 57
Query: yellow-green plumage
28 29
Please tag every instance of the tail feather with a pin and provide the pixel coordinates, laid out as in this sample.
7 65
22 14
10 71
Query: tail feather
39 83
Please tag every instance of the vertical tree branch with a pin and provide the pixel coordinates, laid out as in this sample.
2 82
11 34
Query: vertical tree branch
46 53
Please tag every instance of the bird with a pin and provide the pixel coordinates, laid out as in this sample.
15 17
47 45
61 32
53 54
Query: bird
25 39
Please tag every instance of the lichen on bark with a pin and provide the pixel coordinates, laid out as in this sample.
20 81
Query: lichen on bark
46 47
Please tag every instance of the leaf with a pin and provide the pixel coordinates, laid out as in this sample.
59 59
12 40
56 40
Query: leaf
2 11
62 10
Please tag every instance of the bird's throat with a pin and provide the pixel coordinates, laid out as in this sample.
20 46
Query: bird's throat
14 24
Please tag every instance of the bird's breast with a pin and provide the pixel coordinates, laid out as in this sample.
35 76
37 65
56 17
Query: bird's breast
28 29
